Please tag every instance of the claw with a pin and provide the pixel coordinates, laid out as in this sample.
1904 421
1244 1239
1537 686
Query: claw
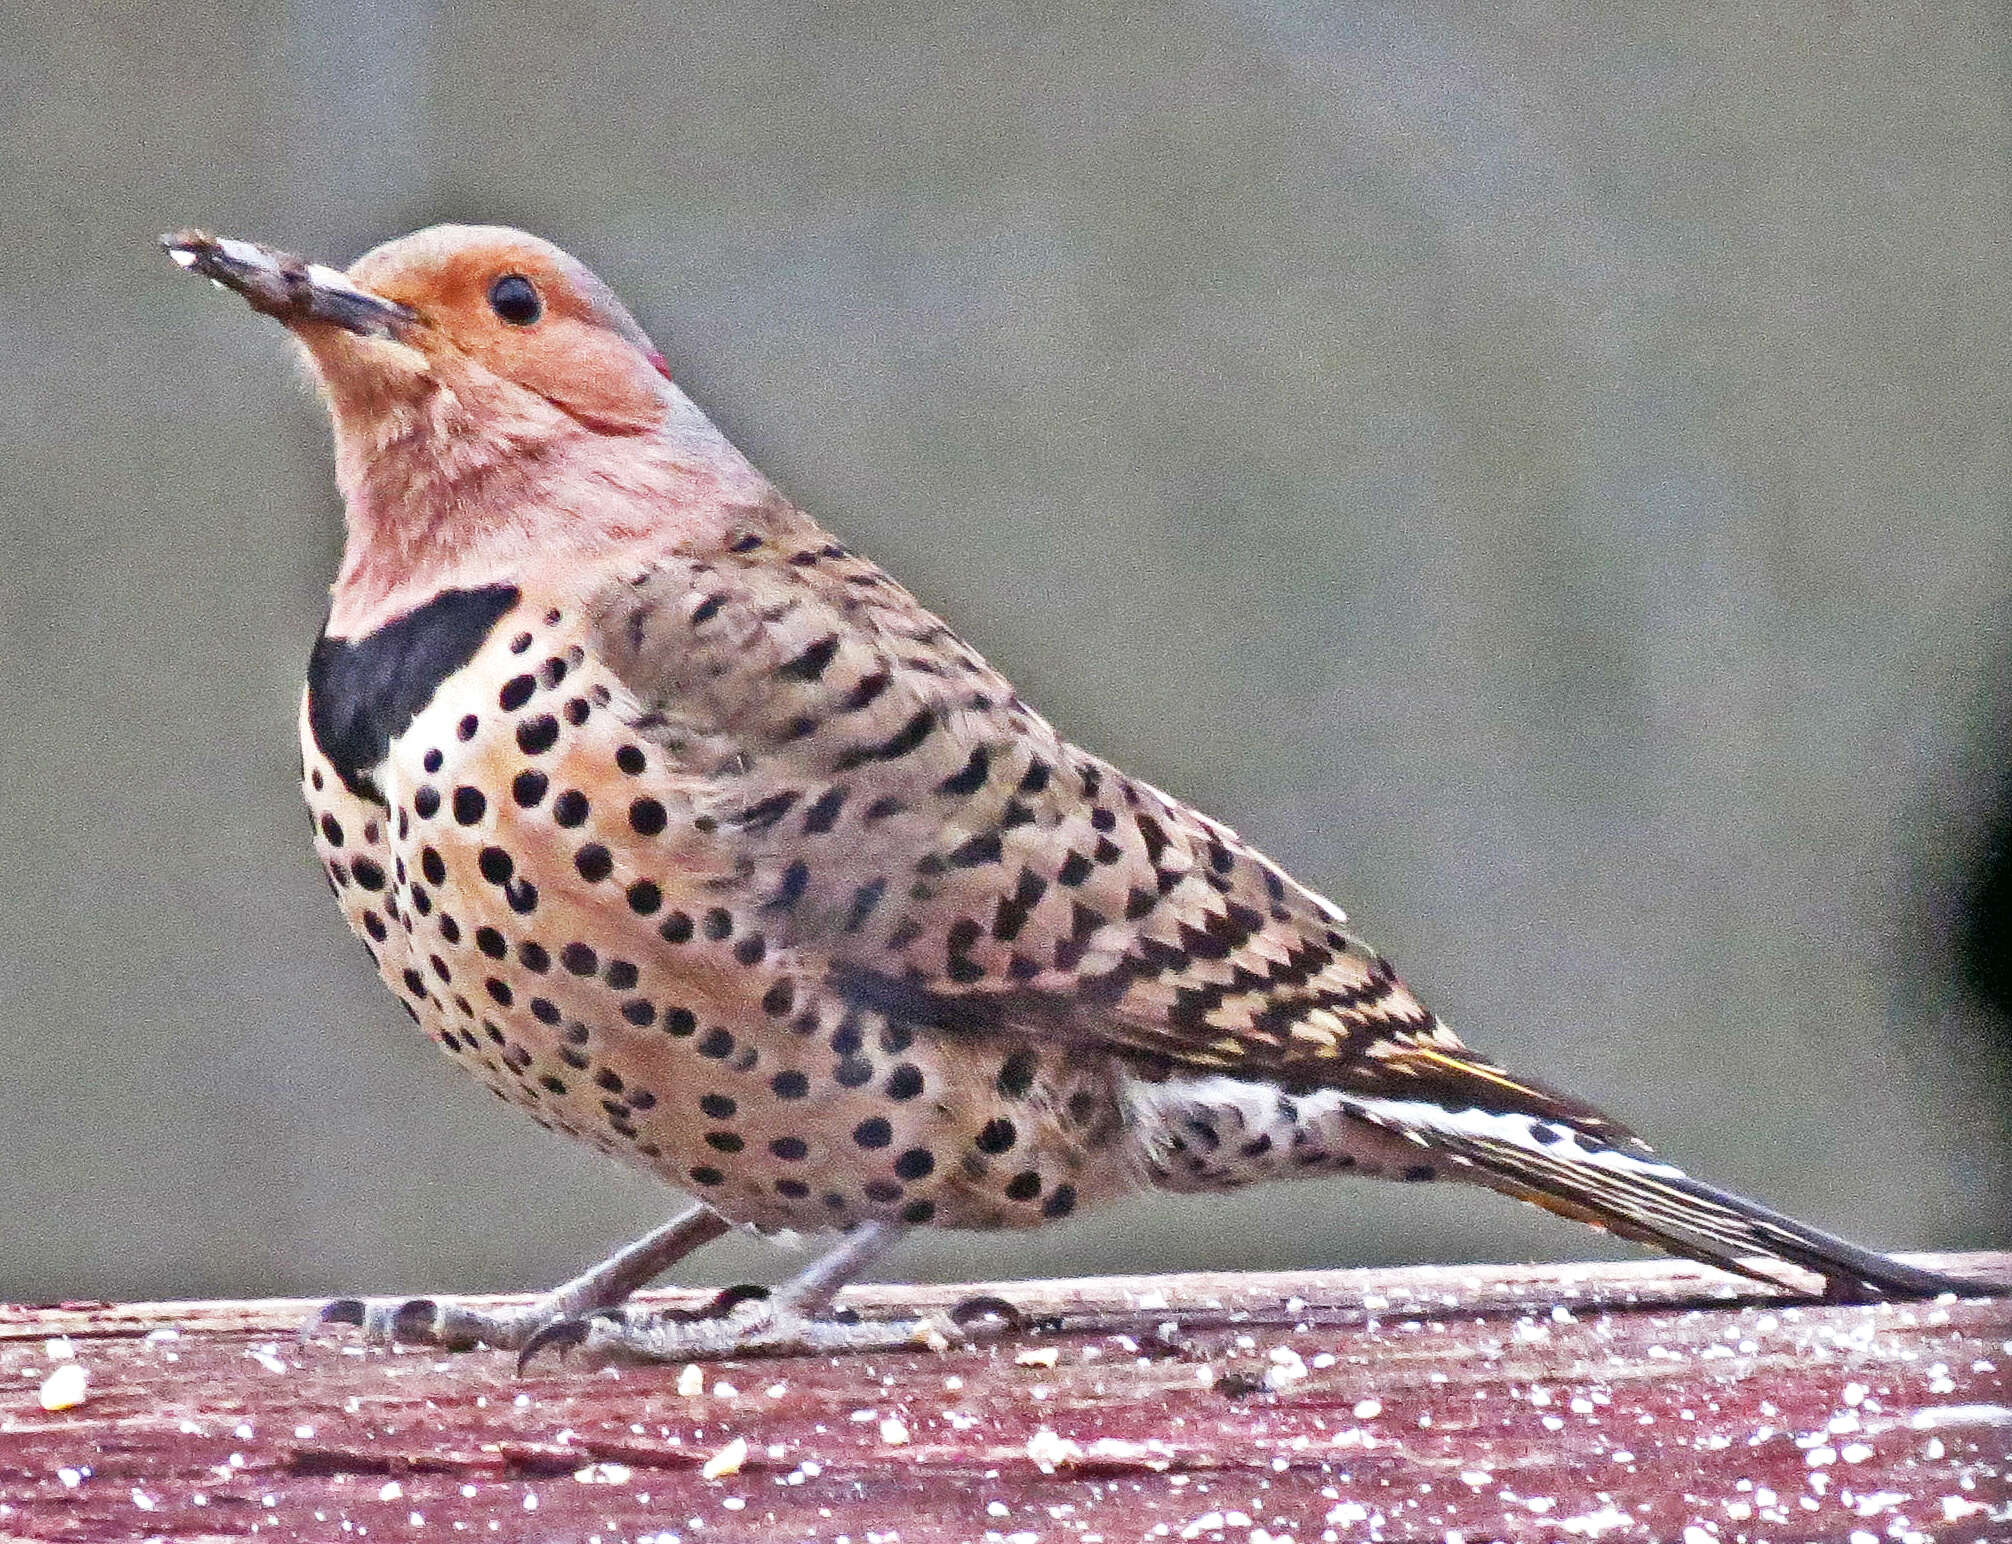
982 1306
413 1318
563 1333
730 1298
382 1323
723 1303
339 1310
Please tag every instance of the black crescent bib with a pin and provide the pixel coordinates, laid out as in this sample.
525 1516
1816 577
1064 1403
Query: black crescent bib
362 692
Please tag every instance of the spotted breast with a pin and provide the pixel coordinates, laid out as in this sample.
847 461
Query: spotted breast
574 893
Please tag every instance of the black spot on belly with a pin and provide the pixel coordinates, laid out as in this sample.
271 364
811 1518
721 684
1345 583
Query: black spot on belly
362 692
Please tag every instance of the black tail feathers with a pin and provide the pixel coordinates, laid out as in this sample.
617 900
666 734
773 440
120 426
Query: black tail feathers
1630 1193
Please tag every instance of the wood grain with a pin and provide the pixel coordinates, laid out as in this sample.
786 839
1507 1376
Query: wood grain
1653 1401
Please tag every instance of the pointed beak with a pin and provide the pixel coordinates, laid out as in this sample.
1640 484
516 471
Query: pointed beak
289 288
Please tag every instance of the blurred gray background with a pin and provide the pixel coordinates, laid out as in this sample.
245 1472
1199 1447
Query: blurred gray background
1537 470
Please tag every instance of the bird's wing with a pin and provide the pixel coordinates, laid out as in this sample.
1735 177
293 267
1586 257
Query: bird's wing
930 845
913 835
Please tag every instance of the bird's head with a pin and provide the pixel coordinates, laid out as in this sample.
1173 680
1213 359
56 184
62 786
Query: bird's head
491 399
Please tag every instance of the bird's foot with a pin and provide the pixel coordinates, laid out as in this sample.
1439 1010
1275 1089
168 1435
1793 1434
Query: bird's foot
745 1322
453 1326
440 1321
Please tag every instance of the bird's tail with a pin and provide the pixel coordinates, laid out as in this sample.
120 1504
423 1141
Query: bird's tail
1598 1173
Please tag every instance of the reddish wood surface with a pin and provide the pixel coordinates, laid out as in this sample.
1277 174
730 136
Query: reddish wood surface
1600 1402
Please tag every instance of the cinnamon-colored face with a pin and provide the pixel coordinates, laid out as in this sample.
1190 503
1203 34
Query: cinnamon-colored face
486 300
469 310
490 398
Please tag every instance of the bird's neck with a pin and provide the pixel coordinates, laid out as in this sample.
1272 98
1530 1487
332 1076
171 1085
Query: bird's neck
446 494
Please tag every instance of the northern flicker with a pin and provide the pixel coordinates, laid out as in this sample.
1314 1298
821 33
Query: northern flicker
691 832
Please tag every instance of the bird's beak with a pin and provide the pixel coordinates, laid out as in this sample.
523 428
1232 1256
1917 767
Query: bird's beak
289 288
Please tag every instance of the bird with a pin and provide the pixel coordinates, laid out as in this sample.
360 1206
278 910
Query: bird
690 831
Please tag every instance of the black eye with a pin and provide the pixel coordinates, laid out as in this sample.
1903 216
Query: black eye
514 298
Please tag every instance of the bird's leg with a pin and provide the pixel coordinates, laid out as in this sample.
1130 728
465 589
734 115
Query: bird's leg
792 1318
458 1327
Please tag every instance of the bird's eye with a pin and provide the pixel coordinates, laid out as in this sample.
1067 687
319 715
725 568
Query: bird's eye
514 298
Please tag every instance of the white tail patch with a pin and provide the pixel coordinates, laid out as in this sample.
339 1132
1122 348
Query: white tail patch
1531 1133
1218 1131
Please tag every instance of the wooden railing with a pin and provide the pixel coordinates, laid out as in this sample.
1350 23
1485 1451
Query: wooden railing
1648 1401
